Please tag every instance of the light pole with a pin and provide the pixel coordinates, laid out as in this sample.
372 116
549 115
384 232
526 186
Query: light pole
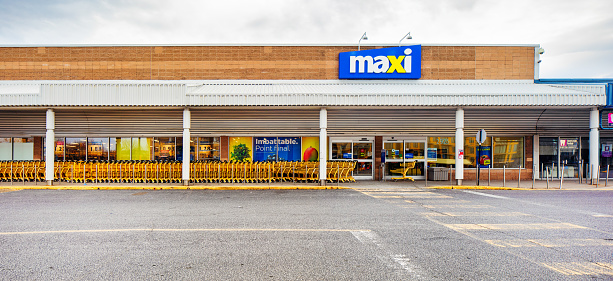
364 37
408 37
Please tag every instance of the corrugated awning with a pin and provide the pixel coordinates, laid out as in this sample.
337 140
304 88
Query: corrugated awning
393 93
298 93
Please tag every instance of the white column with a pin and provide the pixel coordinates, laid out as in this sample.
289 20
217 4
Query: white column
459 145
187 121
594 140
50 147
323 142
536 160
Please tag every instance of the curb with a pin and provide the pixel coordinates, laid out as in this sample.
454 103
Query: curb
477 187
13 188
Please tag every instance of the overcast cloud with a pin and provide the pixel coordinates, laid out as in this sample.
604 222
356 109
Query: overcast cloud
577 35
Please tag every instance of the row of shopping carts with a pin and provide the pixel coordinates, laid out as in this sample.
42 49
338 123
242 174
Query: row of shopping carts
126 171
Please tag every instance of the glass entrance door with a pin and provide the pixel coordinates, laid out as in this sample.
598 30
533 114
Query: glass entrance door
360 151
398 155
569 156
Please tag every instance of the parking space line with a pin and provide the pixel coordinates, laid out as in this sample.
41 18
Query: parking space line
484 214
516 243
180 230
389 258
581 268
523 226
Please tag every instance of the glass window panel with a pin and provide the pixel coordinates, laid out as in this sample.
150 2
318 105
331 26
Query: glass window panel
445 151
509 152
164 148
548 156
193 147
341 150
178 149
362 151
569 155
75 149
395 169
470 151
6 149
363 169
393 150
97 148
124 148
59 149
208 148
414 150
142 148
112 148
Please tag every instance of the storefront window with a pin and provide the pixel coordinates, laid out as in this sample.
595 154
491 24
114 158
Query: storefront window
508 152
6 149
124 148
164 148
444 149
472 152
59 149
548 156
112 148
414 150
142 148
362 150
97 148
393 150
208 148
341 150
75 149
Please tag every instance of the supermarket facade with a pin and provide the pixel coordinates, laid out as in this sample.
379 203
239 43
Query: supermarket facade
418 103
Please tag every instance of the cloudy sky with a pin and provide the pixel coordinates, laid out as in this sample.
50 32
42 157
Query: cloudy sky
577 35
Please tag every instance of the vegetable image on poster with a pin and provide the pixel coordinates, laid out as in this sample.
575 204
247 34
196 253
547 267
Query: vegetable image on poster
310 146
240 149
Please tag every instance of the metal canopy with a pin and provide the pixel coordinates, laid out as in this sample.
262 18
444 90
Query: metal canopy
298 93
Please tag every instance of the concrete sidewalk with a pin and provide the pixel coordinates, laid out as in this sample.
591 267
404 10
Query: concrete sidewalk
567 184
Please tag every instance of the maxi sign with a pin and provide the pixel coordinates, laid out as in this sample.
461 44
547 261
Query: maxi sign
389 63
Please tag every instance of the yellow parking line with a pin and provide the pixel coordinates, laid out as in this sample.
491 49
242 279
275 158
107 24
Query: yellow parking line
485 214
516 243
459 206
526 226
583 268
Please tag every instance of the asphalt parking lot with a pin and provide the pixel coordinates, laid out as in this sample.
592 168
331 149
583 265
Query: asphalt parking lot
375 233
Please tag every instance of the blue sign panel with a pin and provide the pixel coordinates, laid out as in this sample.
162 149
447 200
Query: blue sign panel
389 63
485 156
276 149
289 149
264 149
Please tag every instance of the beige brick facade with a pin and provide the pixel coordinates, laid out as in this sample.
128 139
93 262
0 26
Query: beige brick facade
247 62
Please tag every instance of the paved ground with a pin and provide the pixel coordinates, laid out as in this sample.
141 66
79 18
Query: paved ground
378 231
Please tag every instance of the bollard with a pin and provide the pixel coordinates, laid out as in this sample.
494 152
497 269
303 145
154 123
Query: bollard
504 175
562 177
533 175
580 170
591 175
450 174
426 172
488 174
519 177
597 176
606 181
547 176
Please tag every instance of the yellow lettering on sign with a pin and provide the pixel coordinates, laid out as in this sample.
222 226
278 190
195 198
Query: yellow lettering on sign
396 64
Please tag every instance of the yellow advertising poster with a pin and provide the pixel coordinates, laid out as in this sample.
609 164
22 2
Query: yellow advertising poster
241 149
310 148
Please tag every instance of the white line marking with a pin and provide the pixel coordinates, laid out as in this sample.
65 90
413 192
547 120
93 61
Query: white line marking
485 194
388 258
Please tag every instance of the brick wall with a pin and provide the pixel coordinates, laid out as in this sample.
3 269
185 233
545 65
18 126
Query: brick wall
246 62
